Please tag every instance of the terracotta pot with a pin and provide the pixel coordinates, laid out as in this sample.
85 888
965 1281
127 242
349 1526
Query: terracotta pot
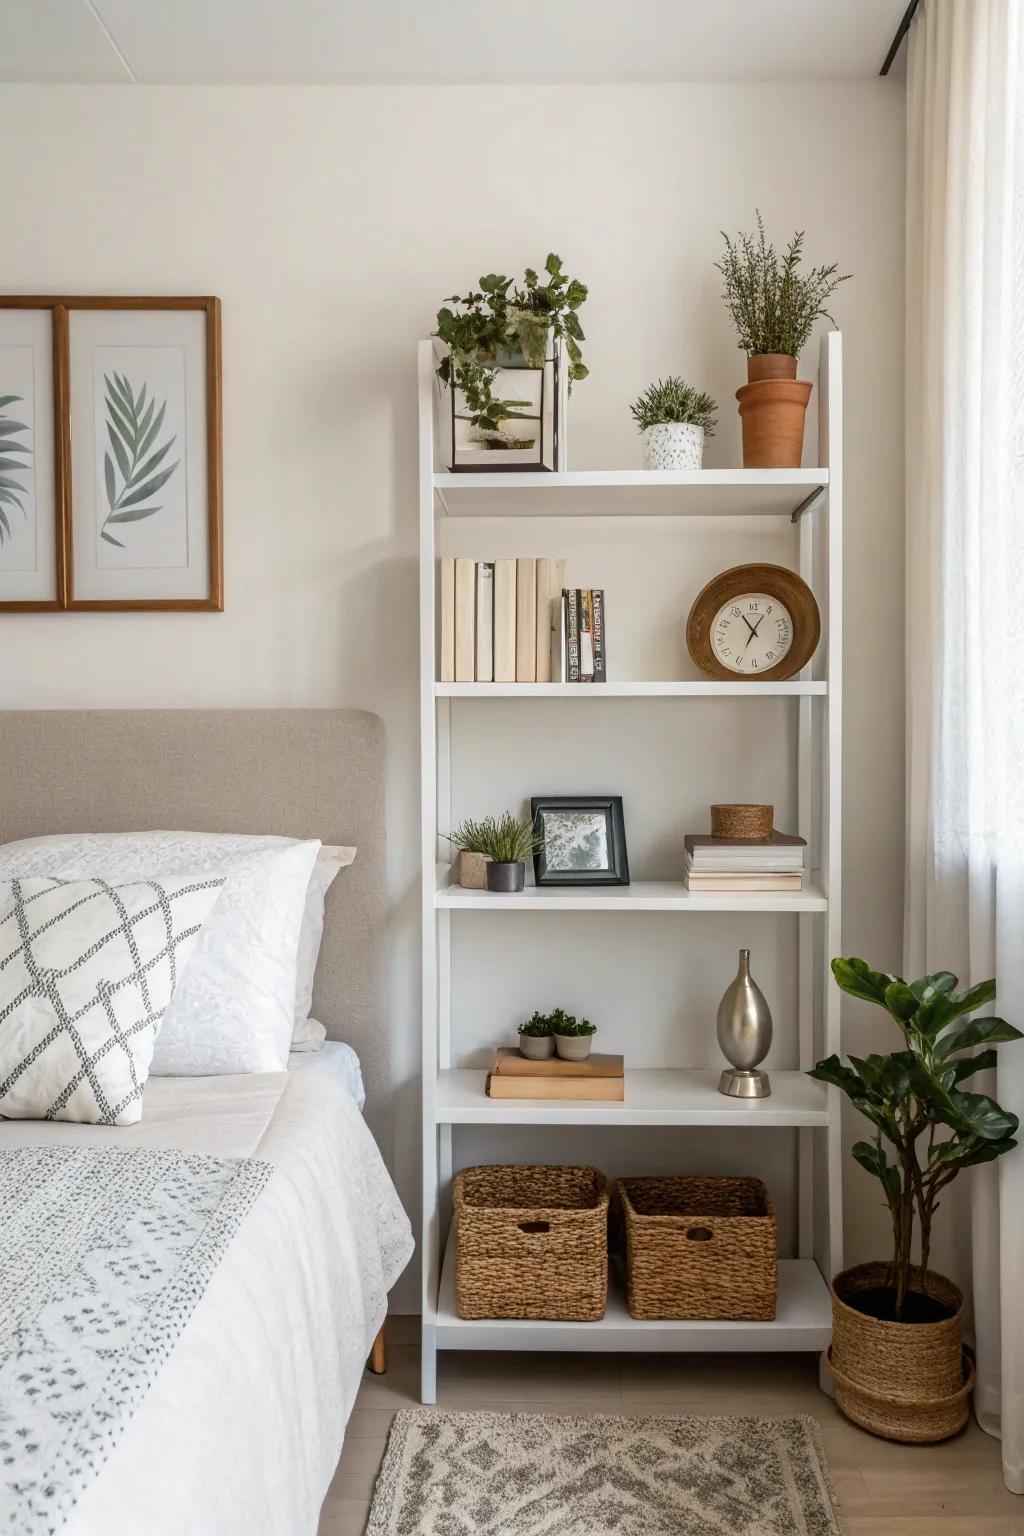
772 413
903 1381
770 365
473 870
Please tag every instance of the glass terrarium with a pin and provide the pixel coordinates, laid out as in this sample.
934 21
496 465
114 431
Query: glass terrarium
516 421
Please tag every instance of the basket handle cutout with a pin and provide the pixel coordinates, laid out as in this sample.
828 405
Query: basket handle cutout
534 1226
698 1234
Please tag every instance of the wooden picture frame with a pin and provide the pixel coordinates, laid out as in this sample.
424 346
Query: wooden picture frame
596 819
189 545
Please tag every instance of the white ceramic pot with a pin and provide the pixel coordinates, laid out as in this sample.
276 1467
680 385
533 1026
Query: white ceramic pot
673 445
573 1047
536 1047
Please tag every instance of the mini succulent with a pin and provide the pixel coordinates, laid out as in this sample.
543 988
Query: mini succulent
558 1022
673 400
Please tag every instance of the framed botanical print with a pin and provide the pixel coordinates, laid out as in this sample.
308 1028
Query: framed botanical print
584 840
31 542
130 496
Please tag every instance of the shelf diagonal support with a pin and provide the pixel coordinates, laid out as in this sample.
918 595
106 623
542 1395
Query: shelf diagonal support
807 504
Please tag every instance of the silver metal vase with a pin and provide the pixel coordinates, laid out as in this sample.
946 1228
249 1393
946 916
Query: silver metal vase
744 1035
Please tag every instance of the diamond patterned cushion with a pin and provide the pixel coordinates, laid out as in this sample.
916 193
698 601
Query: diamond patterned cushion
87 970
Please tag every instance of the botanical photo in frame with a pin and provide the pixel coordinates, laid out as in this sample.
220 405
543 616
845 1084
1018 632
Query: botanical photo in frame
584 840
110 453
31 542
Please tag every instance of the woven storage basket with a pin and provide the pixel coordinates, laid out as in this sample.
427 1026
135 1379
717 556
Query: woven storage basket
901 1380
532 1243
742 820
700 1248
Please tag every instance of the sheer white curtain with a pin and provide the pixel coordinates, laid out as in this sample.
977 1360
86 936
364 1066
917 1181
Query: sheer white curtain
965 595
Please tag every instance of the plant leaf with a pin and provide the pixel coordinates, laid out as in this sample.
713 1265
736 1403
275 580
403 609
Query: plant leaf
15 464
9 400
108 474
938 981
900 1001
110 538
990 1031
122 423
983 1117
133 516
967 1066
7 427
858 979
151 486
123 462
152 462
154 427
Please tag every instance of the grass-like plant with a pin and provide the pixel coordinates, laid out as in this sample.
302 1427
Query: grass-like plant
538 1026
12 491
913 1099
671 400
133 426
506 839
499 317
772 303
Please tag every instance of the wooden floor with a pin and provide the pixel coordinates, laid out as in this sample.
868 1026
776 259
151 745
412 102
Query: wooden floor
953 1489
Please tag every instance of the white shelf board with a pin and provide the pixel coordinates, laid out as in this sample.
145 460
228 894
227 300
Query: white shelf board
640 896
597 691
629 493
659 1096
803 1321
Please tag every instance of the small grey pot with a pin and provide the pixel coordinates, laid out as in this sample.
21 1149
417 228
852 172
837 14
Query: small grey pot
536 1047
573 1047
506 877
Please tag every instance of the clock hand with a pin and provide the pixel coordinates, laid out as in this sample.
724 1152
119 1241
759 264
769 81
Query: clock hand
750 626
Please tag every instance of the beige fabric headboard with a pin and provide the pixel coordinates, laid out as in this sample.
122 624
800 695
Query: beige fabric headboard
292 772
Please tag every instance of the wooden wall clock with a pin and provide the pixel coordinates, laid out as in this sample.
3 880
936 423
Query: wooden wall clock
756 621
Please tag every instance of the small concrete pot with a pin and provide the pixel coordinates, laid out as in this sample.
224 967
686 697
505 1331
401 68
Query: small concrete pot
673 445
536 1047
506 877
573 1047
473 870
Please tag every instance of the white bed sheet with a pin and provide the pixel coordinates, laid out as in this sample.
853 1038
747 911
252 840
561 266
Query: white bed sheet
340 1060
241 1430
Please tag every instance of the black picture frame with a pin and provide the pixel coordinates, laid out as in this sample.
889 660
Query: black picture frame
617 870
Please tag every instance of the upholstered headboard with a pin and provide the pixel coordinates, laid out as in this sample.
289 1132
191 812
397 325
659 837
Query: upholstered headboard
291 772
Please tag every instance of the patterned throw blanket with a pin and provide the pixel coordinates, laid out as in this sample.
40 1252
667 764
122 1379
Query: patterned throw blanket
104 1255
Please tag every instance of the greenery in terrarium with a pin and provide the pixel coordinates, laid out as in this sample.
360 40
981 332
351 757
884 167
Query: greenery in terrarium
673 400
926 1127
506 839
501 320
772 303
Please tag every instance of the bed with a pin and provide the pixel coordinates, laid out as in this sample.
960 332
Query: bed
238 1424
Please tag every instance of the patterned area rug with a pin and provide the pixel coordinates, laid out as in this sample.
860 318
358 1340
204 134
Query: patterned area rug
510 1474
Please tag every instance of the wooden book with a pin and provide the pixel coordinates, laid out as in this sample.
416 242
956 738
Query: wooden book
526 620
447 621
509 1063
611 1089
465 621
550 580
740 882
485 621
504 621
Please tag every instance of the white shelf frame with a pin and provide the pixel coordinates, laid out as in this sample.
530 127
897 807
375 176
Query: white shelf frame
451 1097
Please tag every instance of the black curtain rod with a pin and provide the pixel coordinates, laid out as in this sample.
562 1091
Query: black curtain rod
901 32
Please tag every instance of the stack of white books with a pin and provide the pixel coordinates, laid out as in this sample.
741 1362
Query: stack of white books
773 863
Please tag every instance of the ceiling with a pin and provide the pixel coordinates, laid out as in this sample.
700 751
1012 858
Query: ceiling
436 41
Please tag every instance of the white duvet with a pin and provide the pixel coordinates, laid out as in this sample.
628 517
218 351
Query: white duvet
240 1431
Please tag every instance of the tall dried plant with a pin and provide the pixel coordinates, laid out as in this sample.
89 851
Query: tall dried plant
773 305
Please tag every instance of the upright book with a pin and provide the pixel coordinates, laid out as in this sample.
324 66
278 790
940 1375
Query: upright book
504 621
600 666
447 605
526 620
465 621
585 608
550 580
485 621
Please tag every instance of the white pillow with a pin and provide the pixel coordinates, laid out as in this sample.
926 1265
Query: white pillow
309 1036
234 1011
329 861
87 970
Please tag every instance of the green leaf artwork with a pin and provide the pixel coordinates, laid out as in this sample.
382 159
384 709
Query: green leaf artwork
134 474
14 458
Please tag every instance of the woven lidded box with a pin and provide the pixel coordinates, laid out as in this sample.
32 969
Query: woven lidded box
700 1247
532 1242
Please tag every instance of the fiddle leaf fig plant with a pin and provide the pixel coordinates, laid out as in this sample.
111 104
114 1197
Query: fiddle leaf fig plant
499 319
926 1127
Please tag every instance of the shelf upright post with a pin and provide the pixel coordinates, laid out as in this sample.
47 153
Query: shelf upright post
432 1237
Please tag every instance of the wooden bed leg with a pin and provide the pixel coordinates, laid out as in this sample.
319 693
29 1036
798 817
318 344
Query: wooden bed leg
379 1354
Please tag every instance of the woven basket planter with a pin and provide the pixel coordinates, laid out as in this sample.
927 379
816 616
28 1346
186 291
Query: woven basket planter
700 1248
532 1243
742 820
903 1381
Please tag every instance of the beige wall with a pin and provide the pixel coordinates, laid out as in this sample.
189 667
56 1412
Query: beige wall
331 222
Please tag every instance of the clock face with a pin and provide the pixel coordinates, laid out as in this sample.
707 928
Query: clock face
751 633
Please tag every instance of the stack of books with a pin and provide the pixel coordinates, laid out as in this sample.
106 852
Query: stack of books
514 1077
773 863
578 651
515 621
